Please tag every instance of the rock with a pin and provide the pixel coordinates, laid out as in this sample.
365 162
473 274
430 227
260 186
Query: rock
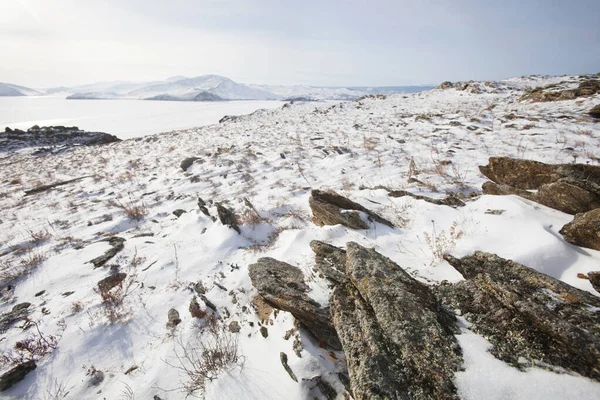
117 244
195 309
104 285
528 317
263 310
96 376
584 230
570 188
330 208
595 111
44 188
234 327
326 389
202 207
228 217
446 85
174 319
179 212
186 163
284 361
595 280
450 200
282 286
329 260
264 331
16 374
18 313
412 352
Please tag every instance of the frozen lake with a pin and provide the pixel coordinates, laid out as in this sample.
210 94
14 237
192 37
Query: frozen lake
123 118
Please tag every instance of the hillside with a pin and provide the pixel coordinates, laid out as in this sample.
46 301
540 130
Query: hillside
138 275
7 89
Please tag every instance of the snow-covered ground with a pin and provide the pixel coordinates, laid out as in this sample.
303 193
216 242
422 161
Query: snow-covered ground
273 158
123 118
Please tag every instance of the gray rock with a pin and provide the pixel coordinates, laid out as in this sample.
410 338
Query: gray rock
264 332
450 200
282 286
117 244
329 260
584 230
104 285
528 317
234 327
228 217
186 163
179 212
330 208
284 361
18 313
173 317
16 375
412 352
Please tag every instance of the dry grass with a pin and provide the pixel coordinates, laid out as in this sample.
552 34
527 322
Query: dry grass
442 243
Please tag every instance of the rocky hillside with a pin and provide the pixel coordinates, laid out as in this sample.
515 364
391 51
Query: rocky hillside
436 245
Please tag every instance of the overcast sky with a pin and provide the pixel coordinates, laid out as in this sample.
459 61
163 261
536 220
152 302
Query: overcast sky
327 42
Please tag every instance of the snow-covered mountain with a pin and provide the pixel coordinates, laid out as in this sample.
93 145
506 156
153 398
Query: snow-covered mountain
7 89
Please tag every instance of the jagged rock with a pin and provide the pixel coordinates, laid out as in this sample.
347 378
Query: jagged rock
19 312
117 244
173 317
528 317
228 217
570 188
329 260
202 207
179 212
450 200
104 285
595 280
16 374
186 163
584 230
412 352
330 208
282 286
284 361
595 111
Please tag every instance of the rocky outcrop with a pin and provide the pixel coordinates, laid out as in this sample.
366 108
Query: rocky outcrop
586 88
528 317
330 261
399 342
330 208
51 136
570 188
595 111
584 230
16 375
282 286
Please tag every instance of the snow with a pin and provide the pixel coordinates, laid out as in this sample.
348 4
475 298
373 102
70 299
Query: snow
273 158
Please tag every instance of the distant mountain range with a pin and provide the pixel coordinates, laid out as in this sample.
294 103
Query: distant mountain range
204 88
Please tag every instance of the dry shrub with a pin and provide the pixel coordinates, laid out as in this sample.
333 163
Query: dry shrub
133 210
28 261
442 243
34 347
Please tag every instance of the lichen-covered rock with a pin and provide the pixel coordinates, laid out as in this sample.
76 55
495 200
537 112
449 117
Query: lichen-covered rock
412 352
528 317
16 374
329 260
330 208
282 286
584 230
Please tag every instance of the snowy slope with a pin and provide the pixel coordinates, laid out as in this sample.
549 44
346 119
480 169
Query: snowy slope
273 158
7 89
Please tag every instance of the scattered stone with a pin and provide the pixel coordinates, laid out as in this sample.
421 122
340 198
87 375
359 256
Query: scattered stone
584 230
41 292
234 327
16 375
179 212
117 244
595 111
174 319
282 286
186 163
228 217
412 351
330 208
284 361
264 332
208 303
18 313
104 285
67 294
530 319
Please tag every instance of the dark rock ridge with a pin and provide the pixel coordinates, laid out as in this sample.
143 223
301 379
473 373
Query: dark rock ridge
398 340
570 188
51 136
282 286
16 374
330 208
584 230
528 317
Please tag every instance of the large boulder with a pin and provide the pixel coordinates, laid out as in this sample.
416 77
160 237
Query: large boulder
528 317
584 230
330 208
398 340
570 188
282 286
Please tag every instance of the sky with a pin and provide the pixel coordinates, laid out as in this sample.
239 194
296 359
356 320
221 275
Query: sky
327 42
